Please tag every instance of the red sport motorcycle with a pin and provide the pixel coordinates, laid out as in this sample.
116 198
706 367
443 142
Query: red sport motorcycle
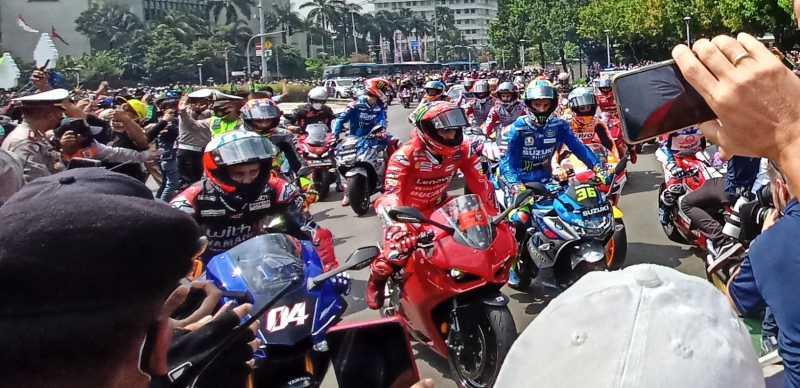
449 292
695 170
316 148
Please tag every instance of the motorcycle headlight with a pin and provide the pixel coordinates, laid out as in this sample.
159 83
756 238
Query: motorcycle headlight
457 274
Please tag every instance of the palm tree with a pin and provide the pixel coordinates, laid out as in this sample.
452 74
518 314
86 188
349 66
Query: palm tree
109 25
322 13
288 20
233 9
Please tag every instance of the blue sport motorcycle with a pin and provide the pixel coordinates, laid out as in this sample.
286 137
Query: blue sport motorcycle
574 229
294 299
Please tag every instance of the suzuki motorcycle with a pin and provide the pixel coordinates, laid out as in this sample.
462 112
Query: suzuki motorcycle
449 291
615 164
575 230
361 161
316 146
295 301
695 170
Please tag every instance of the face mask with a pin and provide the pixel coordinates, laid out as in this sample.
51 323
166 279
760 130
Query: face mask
316 106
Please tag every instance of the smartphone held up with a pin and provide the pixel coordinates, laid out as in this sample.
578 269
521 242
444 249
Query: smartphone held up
655 100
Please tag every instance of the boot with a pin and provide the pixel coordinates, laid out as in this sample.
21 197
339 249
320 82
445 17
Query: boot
513 278
345 200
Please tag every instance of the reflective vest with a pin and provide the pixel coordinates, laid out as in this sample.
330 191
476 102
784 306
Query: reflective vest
219 126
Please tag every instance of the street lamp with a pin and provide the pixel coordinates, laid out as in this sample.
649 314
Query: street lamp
200 72
263 59
608 47
686 19
522 51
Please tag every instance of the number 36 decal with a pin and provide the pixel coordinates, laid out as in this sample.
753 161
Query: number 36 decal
280 317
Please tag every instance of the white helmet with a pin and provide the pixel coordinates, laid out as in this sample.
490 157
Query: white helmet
318 94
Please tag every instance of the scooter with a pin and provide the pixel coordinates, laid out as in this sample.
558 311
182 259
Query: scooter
316 146
300 303
361 161
574 230
448 293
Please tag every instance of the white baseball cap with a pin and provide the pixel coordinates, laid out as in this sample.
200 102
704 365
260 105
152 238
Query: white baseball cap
644 326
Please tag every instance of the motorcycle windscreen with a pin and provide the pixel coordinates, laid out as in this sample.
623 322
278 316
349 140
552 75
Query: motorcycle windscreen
317 134
375 354
470 221
267 264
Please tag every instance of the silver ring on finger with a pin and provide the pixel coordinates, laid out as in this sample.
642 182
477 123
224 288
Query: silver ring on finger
739 57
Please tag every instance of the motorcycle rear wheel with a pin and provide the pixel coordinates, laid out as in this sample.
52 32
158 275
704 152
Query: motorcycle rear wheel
357 192
486 343
620 248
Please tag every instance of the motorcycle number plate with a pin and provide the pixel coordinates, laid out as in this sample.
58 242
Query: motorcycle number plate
600 210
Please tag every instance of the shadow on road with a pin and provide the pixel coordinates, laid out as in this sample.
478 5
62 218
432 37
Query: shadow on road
323 215
536 297
661 254
355 300
642 181
422 352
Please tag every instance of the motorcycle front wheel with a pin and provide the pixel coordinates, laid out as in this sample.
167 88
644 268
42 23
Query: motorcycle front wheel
483 345
322 183
357 192
526 270
620 238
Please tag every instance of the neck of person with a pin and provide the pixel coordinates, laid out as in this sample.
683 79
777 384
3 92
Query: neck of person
39 126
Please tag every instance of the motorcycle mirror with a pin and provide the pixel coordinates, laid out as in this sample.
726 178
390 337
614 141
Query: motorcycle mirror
620 167
359 259
303 171
538 188
377 129
523 197
406 215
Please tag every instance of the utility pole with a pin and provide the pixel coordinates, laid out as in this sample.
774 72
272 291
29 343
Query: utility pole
435 32
227 70
353 20
687 19
261 32
608 48
200 72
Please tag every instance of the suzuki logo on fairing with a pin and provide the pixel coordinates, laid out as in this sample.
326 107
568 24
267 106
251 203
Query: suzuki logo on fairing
594 211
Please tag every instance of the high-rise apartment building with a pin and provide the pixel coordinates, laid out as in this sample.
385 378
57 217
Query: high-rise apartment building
472 16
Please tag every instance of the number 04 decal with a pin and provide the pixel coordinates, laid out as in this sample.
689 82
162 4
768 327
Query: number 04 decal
280 317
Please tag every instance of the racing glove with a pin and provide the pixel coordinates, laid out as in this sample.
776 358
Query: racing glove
399 243
674 170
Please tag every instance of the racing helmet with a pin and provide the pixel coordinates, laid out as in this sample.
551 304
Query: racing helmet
377 87
563 77
481 89
434 88
468 84
507 93
603 85
541 90
318 94
235 148
582 101
261 115
433 118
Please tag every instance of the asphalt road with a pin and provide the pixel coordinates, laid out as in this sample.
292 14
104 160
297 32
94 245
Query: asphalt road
646 244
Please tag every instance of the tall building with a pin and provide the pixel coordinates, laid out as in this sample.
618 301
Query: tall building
472 16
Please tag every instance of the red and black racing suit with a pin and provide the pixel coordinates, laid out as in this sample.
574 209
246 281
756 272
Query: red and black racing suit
610 117
419 179
227 220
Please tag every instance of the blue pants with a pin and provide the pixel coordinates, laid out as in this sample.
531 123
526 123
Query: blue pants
170 179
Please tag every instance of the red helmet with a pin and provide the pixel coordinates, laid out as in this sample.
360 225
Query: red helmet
440 116
378 87
234 148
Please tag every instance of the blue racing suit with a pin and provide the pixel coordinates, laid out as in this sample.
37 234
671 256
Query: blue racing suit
360 117
530 149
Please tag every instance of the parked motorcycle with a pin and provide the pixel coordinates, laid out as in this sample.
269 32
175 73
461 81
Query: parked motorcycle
316 146
449 291
575 230
300 303
361 161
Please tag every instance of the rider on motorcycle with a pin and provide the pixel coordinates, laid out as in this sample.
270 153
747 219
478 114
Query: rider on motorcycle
240 189
478 107
364 114
434 91
418 175
605 97
506 110
532 141
586 127
314 111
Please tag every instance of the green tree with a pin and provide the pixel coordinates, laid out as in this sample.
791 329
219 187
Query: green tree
322 13
166 59
108 25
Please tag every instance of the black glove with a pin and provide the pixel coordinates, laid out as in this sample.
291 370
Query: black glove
196 359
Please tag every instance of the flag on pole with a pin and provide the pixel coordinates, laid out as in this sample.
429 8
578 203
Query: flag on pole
25 26
54 34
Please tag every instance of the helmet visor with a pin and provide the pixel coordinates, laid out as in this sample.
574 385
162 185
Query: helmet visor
580 100
251 149
264 112
450 119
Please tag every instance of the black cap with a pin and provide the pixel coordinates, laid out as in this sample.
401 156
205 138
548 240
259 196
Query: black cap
89 239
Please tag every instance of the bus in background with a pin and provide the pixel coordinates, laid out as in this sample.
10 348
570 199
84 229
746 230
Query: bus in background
489 66
462 66
354 70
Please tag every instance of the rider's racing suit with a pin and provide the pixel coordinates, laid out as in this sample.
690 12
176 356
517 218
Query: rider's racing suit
502 115
361 117
419 179
305 114
477 111
227 220
687 141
